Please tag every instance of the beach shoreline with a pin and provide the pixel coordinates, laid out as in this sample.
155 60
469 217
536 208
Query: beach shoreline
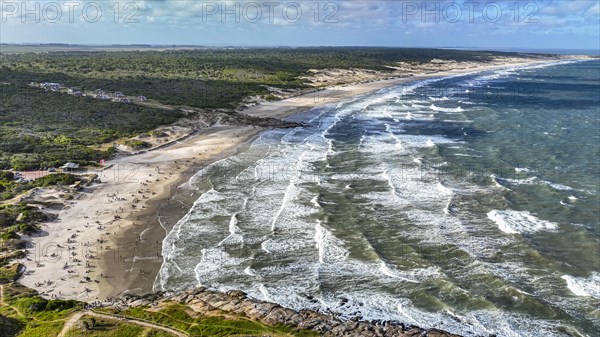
112 232
88 252
147 239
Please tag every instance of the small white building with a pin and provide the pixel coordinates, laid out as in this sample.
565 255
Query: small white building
69 167
50 86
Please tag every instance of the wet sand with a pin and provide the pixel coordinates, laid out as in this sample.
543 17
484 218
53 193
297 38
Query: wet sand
136 258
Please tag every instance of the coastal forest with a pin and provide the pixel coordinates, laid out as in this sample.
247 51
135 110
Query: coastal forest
44 128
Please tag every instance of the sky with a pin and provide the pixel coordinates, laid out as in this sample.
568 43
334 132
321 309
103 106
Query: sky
514 24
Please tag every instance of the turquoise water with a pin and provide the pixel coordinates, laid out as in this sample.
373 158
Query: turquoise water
467 203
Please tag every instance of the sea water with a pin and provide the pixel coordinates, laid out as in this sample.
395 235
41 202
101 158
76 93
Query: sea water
467 203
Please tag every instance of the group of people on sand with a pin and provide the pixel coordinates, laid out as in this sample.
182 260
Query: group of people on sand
70 268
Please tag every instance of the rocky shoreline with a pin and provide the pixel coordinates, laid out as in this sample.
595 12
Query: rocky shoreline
204 301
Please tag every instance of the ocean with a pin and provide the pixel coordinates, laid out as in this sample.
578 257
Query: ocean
467 203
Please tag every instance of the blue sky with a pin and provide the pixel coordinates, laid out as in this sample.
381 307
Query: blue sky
566 24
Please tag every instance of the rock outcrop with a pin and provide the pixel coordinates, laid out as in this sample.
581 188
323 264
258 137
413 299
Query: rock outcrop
210 302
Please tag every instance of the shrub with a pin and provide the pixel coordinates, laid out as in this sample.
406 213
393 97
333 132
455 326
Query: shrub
136 144
6 176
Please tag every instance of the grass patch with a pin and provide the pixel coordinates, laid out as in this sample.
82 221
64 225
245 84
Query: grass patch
36 317
10 273
42 329
176 315
100 327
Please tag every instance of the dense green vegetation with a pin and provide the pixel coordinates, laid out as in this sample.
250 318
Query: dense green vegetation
27 314
136 144
9 188
18 218
45 129
10 273
208 78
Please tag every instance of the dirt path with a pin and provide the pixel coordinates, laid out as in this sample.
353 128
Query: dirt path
77 316
139 322
71 322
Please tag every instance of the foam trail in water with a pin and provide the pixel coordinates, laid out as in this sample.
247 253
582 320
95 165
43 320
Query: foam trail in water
290 191
584 286
329 247
235 233
436 108
515 222
249 271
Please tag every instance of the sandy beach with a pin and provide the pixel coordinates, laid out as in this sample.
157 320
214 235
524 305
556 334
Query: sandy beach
108 239
78 256
337 93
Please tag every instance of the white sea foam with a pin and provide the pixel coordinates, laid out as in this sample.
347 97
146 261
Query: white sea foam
435 99
249 271
393 136
330 248
265 246
523 169
235 233
557 186
487 77
584 286
413 276
518 181
436 108
390 183
214 261
370 305
520 222
265 293
291 190
532 180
